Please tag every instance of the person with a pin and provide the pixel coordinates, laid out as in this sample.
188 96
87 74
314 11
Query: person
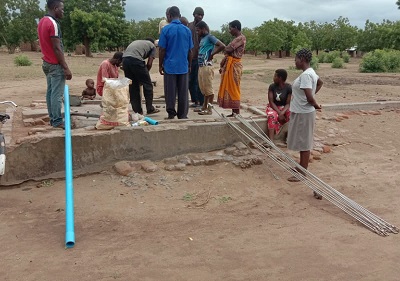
209 46
196 96
136 69
231 70
184 21
163 22
175 58
90 92
279 96
302 110
54 65
108 69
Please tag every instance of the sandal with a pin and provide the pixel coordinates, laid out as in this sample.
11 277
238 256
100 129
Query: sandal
293 179
205 112
155 110
317 196
198 110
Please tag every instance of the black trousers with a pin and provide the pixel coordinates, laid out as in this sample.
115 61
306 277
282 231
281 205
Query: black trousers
136 70
177 84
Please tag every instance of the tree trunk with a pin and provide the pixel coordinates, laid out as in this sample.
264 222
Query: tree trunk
86 43
268 57
287 53
280 54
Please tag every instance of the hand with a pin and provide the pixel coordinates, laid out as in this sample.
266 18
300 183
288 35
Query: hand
220 71
281 118
318 107
68 74
161 70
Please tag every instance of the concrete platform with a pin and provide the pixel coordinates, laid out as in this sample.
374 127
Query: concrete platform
41 155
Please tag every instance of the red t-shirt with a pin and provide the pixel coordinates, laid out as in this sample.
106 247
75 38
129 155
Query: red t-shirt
48 28
106 70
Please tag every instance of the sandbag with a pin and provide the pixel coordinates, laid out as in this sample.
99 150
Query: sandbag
115 102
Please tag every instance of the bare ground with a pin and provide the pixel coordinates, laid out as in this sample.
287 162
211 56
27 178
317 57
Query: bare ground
249 226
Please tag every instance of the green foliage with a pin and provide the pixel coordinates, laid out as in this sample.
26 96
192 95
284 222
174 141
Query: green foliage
300 41
314 63
381 61
18 22
329 57
143 29
90 21
271 35
22 60
346 57
337 63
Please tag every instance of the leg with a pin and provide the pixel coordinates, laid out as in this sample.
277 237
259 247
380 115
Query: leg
170 94
57 86
183 102
134 88
192 83
143 77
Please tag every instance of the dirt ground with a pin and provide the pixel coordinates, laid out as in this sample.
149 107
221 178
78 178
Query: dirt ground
251 225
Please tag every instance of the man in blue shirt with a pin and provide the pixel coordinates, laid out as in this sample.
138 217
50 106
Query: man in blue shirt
175 58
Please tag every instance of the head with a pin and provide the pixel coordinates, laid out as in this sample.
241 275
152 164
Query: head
56 8
202 28
173 13
117 59
184 21
167 13
90 83
303 59
280 76
235 27
150 39
198 14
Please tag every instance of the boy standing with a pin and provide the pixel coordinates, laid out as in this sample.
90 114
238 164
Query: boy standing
208 47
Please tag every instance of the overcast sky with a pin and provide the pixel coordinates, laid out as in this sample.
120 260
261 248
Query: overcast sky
252 13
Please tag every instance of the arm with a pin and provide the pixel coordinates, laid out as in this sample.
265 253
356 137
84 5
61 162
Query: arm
319 85
311 99
161 57
219 47
55 41
190 57
149 63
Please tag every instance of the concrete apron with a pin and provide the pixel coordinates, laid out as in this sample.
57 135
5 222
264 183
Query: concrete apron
42 156
94 151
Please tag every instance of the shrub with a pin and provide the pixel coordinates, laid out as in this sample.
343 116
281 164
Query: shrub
329 57
321 56
22 60
346 57
337 63
381 61
314 62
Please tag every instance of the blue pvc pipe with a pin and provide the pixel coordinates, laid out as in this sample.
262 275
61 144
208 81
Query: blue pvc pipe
69 186
150 121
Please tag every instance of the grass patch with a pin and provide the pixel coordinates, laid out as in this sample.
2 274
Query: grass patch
22 60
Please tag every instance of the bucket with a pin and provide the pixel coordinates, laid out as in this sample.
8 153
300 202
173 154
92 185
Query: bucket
75 100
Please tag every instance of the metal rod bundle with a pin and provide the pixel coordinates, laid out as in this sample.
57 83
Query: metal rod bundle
254 134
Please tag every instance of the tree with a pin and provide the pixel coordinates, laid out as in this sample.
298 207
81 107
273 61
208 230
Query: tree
315 33
345 35
271 36
143 29
18 22
252 43
100 21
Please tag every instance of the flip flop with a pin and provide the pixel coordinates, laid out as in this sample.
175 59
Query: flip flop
317 196
293 179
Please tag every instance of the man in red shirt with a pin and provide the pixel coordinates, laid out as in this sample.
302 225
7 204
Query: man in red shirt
108 69
54 66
